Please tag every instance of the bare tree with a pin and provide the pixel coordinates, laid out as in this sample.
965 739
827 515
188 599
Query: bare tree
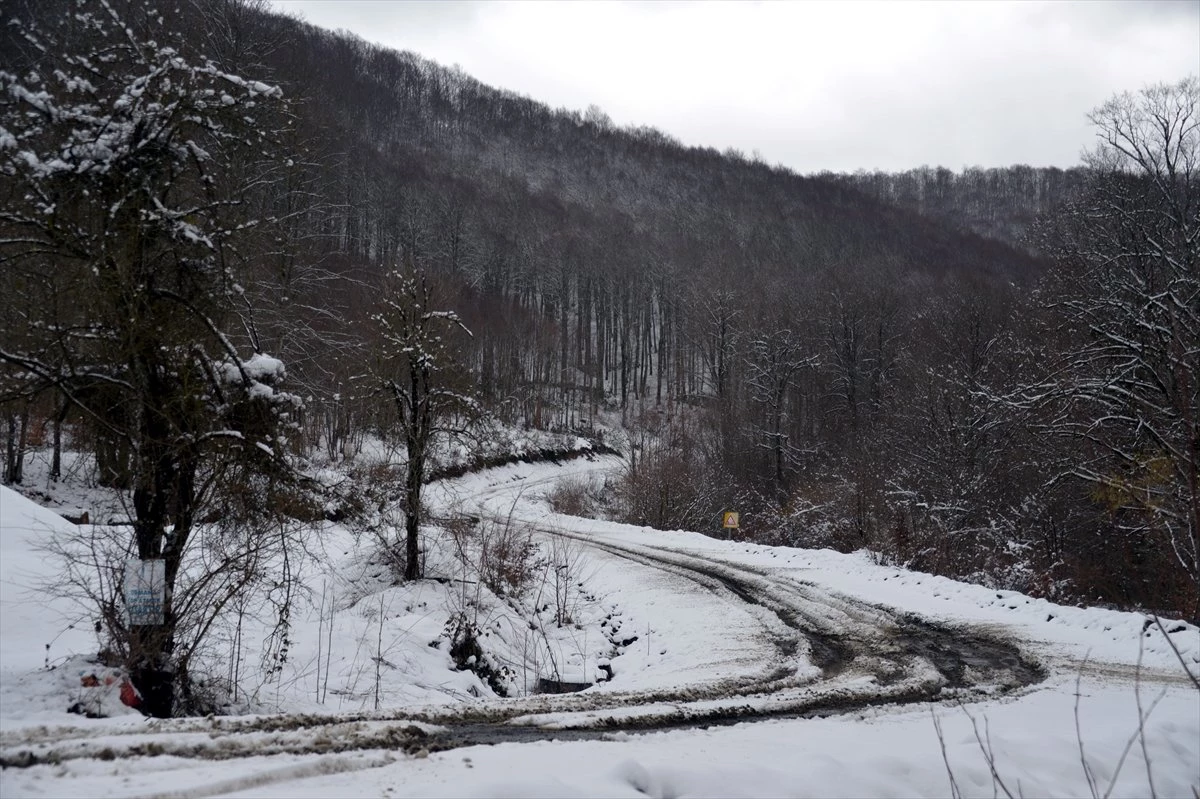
1127 387
420 371
775 359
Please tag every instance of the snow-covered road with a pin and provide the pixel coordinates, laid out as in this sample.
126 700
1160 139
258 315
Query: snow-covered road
849 660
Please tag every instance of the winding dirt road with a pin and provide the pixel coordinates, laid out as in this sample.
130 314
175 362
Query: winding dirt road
864 655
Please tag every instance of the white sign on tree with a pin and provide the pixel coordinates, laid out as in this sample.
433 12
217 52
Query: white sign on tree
145 589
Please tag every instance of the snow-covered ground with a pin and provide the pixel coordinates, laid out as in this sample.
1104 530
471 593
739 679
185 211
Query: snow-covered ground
663 634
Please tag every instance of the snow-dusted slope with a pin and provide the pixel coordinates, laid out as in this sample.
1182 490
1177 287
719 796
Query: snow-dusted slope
688 635
39 626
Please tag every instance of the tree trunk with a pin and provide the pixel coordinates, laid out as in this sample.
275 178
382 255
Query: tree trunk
412 513
56 455
418 432
158 479
12 453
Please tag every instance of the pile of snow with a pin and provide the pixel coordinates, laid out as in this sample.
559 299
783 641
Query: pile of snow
48 643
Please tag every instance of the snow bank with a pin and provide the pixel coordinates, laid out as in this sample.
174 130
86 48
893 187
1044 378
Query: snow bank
45 638
381 635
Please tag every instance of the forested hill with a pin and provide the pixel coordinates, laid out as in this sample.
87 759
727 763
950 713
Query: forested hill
1001 203
845 360
837 337
528 177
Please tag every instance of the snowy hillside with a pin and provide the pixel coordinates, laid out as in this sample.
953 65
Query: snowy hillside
687 633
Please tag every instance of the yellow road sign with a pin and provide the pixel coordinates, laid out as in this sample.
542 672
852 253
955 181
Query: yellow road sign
729 519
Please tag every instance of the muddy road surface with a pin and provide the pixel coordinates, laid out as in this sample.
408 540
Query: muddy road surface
821 653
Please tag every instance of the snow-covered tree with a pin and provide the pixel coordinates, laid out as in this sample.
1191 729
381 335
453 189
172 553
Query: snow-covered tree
419 371
128 167
1128 386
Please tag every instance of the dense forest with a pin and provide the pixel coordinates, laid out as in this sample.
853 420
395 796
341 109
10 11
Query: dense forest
1001 203
233 245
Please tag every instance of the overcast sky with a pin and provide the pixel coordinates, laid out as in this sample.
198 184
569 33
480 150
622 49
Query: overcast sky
811 85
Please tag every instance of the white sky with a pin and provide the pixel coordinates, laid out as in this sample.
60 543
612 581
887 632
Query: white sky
812 85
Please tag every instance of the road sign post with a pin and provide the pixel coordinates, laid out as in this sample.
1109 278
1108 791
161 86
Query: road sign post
729 520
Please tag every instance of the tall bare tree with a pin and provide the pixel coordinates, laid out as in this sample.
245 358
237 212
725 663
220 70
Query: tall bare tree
421 373
776 357
1127 388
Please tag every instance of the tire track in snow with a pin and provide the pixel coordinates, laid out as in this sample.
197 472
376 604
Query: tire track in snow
867 655
321 767
840 629
836 632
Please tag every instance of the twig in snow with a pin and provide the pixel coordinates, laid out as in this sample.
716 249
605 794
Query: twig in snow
955 792
1195 679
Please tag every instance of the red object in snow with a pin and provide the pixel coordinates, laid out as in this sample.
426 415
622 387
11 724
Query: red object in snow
129 695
